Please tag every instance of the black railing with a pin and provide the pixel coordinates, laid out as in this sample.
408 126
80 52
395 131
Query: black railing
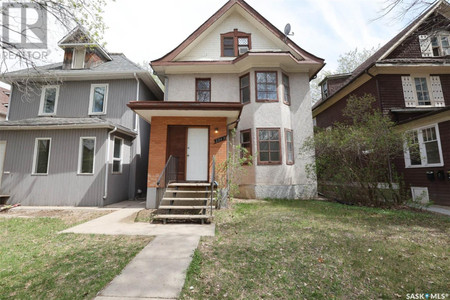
213 182
168 175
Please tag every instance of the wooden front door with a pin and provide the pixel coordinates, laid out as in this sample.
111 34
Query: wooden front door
176 146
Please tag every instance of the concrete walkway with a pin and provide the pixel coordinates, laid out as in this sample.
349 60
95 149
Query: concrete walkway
443 210
159 270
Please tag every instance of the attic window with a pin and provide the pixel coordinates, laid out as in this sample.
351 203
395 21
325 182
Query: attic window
436 44
235 43
79 55
325 90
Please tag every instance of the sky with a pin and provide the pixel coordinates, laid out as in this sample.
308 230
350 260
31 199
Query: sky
145 30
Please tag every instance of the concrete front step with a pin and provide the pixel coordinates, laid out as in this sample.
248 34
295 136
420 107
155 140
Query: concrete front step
186 184
184 207
182 217
185 199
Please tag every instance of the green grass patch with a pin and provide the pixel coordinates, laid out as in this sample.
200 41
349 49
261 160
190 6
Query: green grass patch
319 250
38 263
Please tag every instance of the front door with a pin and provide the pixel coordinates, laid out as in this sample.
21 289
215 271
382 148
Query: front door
197 154
2 158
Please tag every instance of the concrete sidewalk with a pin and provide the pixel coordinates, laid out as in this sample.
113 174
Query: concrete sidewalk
159 270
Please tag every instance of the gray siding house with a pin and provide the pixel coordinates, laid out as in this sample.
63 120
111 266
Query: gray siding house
69 138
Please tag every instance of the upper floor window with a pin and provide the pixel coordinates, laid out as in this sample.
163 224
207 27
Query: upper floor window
78 57
436 44
49 100
235 43
422 90
269 146
203 90
98 99
325 90
41 156
286 89
424 149
266 86
244 85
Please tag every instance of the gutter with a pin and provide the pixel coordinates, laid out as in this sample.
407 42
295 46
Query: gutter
108 151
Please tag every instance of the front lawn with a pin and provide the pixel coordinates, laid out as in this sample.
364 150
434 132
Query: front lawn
309 249
38 263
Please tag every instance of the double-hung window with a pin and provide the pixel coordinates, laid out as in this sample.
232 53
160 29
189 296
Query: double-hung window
266 86
41 156
203 90
98 99
286 89
246 143
244 85
424 148
422 92
117 155
269 146
235 43
440 44
49 100
86 156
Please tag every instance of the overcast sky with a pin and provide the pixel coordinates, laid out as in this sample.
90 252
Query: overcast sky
146 30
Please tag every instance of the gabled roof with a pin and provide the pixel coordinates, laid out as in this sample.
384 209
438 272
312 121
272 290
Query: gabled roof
80 37
170 57
380 55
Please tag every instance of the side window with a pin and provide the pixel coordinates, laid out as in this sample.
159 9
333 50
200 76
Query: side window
41 156
203 90
246 141
244 85
49 100
424 148
269 146
86 156
117 155
289 136
98 99
286 90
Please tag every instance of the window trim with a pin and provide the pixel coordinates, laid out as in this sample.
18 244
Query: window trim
197 90
235 34
422 149
270 163
41 104
256 87
250 152
288 162
288 103
430 91
120 159
80 153
36 141
439 35
83 54
241 88
91 99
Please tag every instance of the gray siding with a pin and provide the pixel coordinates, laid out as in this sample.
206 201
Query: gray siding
73 101
62 186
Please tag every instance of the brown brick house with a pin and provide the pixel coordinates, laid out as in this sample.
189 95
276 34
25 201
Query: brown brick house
410 79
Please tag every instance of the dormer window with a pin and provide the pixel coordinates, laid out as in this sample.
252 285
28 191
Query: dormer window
440 44
235 43
325 90
78 57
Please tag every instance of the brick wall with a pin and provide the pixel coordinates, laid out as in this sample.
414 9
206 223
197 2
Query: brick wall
158 141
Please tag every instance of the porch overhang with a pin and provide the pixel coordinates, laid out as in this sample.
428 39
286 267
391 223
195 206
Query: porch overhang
149 109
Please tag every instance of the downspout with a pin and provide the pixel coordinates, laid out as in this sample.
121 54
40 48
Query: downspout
108 150
137 99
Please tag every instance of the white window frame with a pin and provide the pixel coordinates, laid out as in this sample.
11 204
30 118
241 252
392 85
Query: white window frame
36 141
423 152
91 99
119 159
80 154
41 105
430 91
439 37
74 55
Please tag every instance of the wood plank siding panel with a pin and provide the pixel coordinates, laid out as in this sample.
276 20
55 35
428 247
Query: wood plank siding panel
439 190
73 101
62 186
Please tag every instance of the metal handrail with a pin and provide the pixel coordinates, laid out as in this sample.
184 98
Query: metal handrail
213 179
168 175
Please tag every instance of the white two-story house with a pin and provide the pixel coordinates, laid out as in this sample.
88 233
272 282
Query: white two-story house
237 70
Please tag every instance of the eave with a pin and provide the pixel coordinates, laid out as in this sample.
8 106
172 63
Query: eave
147 109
